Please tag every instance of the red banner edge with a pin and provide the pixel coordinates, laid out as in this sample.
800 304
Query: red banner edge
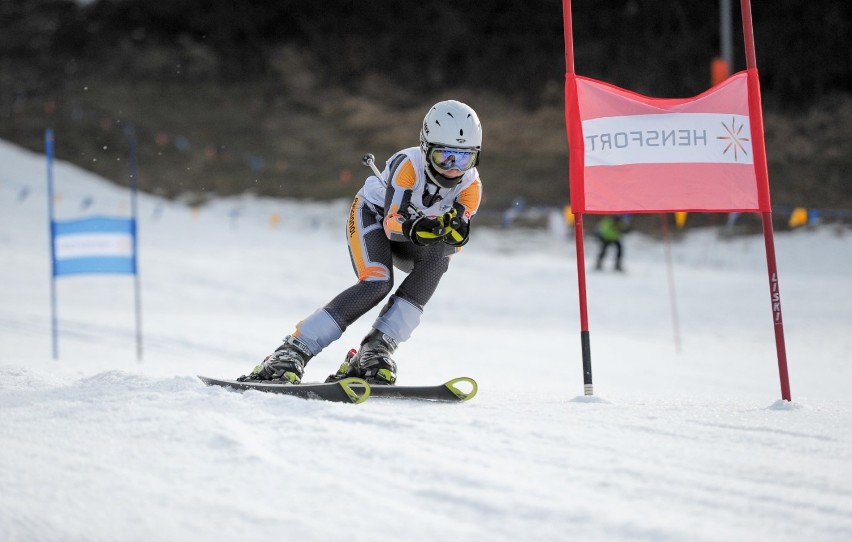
576 146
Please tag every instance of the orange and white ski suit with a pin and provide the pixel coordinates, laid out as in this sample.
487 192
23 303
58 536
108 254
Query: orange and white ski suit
377 243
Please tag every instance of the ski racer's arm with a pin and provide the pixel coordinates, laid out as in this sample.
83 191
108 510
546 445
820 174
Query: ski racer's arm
466 205
398 200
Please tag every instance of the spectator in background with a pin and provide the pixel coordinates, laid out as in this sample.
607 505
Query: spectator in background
609 231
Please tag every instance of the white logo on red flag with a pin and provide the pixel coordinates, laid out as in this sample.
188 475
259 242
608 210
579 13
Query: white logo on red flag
666 139
736 138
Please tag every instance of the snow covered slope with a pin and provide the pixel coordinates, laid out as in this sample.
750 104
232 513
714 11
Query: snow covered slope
691 445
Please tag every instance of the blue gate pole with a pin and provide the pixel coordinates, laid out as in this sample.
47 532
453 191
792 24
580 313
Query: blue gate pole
130 133
54 323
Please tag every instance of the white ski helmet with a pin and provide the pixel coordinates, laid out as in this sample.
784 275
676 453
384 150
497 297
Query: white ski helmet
451 138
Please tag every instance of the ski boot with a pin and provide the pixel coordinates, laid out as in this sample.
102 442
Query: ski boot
285 365
372 362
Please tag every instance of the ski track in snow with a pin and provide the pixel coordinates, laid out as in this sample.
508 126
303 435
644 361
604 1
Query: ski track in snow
675 446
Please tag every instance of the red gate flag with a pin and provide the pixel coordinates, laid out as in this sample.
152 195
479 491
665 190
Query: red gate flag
635 154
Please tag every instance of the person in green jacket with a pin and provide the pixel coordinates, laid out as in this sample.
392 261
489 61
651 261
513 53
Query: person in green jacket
609 231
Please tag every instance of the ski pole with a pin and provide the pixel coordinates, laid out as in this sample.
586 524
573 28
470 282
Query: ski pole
370 161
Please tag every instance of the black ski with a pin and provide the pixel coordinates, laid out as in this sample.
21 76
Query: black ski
447 391
348 390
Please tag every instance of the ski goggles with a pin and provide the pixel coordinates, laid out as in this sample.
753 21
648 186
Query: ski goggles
446 158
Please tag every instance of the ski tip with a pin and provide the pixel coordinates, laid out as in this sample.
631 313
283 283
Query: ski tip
461 393
357 389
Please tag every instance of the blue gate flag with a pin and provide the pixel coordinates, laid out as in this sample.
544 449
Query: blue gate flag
97 244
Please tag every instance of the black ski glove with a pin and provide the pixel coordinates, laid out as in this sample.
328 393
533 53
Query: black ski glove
424 230
458 235
458 230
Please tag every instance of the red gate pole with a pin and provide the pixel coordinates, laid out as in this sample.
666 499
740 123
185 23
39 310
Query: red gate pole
588 389
585 346
568 29
762 174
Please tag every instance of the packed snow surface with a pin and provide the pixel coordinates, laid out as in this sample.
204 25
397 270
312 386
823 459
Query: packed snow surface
686 437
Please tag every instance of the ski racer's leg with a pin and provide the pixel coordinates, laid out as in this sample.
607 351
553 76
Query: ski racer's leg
425 265
370 253
372 260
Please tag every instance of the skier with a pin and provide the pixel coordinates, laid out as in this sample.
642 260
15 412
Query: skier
608 232
414 218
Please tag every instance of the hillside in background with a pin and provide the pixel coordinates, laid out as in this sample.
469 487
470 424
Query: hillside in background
283 99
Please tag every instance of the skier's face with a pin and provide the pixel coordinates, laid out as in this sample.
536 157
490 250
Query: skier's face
454 173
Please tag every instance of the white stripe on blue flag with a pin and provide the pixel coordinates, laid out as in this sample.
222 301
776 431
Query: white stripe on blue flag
94 245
